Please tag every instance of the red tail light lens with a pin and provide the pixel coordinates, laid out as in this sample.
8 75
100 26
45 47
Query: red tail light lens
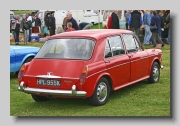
21 72
83 75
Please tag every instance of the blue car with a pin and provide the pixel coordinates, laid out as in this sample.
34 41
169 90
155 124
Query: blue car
20 55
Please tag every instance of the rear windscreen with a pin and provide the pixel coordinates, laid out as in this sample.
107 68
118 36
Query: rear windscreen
67 49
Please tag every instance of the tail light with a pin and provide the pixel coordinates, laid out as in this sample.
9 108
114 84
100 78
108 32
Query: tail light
83 75
21 72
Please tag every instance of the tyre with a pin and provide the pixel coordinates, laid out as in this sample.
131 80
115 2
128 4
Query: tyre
155 73
101 93
39 98
27 60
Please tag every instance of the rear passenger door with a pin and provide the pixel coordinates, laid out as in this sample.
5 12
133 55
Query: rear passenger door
139 58
117 62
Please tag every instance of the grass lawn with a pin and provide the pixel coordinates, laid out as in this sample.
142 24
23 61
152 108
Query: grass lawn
140 99
22 11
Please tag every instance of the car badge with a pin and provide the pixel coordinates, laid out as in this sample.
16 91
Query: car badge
49 74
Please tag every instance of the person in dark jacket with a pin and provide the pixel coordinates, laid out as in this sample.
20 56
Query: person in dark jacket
115 20
162 23
72 20
37 21
16 28
51 24
168 21
25 29
135 22
155 20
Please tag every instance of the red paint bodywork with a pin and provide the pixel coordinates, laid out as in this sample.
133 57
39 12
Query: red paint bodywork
121 71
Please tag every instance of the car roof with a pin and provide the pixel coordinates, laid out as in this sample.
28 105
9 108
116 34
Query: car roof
93 33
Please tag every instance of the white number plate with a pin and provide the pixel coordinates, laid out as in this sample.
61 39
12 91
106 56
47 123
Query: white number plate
48 82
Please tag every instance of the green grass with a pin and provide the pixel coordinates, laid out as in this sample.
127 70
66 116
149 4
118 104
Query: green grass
23 11
140 99
96 26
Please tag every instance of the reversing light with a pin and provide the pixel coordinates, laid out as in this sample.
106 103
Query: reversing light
83 75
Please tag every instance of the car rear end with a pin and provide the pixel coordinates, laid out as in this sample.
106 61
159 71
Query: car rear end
58 70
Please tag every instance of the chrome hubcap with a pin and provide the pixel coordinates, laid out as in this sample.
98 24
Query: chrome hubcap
156 73
102 91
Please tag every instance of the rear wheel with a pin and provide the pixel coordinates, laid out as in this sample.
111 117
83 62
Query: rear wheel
101 93
39 98
155 73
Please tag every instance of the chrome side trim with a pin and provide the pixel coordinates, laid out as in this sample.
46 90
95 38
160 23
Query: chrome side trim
118 65
141 59
71 92
106 69
95 73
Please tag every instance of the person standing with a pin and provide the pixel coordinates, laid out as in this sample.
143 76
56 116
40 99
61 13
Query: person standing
25 29
115 20
155 20
16 28
29 19
168 20
147 22
127 15
51 24
162 23
64 23
72 20
37 21
135 22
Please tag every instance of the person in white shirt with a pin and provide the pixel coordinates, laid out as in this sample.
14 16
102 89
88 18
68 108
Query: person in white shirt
29 19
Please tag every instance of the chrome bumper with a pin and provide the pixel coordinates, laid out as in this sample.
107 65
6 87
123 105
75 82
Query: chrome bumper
71 92
162 67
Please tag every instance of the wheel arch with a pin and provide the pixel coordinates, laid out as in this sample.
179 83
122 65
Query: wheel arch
26 57
154 60
109 79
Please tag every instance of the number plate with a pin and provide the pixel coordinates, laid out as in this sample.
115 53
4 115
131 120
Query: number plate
48 82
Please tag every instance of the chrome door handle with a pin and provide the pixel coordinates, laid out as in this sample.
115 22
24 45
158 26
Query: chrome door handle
130 56
107 61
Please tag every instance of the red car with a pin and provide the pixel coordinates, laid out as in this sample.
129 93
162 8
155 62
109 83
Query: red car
89 64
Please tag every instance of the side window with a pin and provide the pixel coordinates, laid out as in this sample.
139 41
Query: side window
131 43
116 45
108 52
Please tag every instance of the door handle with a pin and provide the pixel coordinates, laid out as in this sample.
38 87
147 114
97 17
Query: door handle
130 56
107 61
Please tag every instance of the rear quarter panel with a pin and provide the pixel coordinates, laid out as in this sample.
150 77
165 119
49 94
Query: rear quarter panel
96 68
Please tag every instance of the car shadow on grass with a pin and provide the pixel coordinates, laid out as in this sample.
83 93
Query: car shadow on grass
13 76
129 89
84 103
